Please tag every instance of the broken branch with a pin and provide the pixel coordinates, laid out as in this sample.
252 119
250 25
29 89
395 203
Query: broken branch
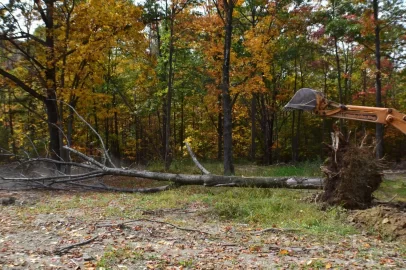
154 221
197 163
67 248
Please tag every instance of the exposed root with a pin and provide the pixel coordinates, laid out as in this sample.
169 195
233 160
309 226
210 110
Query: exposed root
353 174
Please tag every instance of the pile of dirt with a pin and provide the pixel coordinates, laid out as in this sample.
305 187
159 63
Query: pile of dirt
388 221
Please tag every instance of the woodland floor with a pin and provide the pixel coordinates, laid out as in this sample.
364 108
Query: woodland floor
40 223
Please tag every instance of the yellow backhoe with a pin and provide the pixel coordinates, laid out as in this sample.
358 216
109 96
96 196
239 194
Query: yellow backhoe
311 100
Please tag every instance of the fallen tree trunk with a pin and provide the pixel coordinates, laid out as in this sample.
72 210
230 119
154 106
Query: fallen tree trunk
55 179
209 179
96 170
220 180
180 179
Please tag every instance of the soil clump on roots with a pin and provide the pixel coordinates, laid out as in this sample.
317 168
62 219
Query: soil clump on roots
352 175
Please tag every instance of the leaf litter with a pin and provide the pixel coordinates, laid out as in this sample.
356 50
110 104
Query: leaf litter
159 240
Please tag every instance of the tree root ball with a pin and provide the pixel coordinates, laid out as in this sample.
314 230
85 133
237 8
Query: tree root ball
353 174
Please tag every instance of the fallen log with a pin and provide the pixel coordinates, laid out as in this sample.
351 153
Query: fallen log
54 179
96 171
209 180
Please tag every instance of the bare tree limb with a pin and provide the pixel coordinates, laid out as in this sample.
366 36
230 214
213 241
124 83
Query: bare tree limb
100 170
197 163
127 190
94 131
89 159
275 230
154 221
67 248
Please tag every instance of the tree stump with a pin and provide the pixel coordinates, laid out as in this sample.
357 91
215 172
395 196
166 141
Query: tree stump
352 174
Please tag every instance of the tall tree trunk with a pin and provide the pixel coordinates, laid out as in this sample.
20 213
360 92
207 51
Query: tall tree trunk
253 126
116 146
298 135
378 82
323 127
182 121
364 89
174 132
272 122
70 122
48 86
220 131
64 153
225 84
11 124
340 90
95 119
293 136
106 132
50 75
168 154
265 129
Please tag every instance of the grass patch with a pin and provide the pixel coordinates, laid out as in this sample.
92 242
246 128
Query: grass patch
390 188
186 166
309 169
280 208
113 256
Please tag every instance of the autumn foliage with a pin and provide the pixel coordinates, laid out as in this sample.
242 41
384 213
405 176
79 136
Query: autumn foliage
120 65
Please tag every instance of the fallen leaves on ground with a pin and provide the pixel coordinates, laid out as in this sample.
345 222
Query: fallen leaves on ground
28 240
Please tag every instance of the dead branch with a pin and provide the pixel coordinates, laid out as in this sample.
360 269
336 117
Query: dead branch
275 230
127 190
97 169
89 159
391 199
197 163
52 161
124 224
100 170
67 248
61 178
106 154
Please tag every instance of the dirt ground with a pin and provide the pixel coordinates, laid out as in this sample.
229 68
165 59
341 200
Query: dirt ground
174 239
387 220
180 238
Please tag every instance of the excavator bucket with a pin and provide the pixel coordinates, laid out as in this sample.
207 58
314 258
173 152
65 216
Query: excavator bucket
305 99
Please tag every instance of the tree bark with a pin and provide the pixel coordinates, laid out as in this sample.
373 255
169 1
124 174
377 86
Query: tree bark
97 170
167 151
379 127
50 76
253 126
11 124
265 130
340 90
220 130
225 85
182 121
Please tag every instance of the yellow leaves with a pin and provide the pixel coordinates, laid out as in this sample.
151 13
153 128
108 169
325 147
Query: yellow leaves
99 26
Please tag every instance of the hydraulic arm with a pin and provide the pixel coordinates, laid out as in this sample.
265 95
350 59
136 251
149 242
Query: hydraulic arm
312 100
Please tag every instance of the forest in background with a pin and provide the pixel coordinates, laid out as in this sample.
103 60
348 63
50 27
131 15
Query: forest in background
148 77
